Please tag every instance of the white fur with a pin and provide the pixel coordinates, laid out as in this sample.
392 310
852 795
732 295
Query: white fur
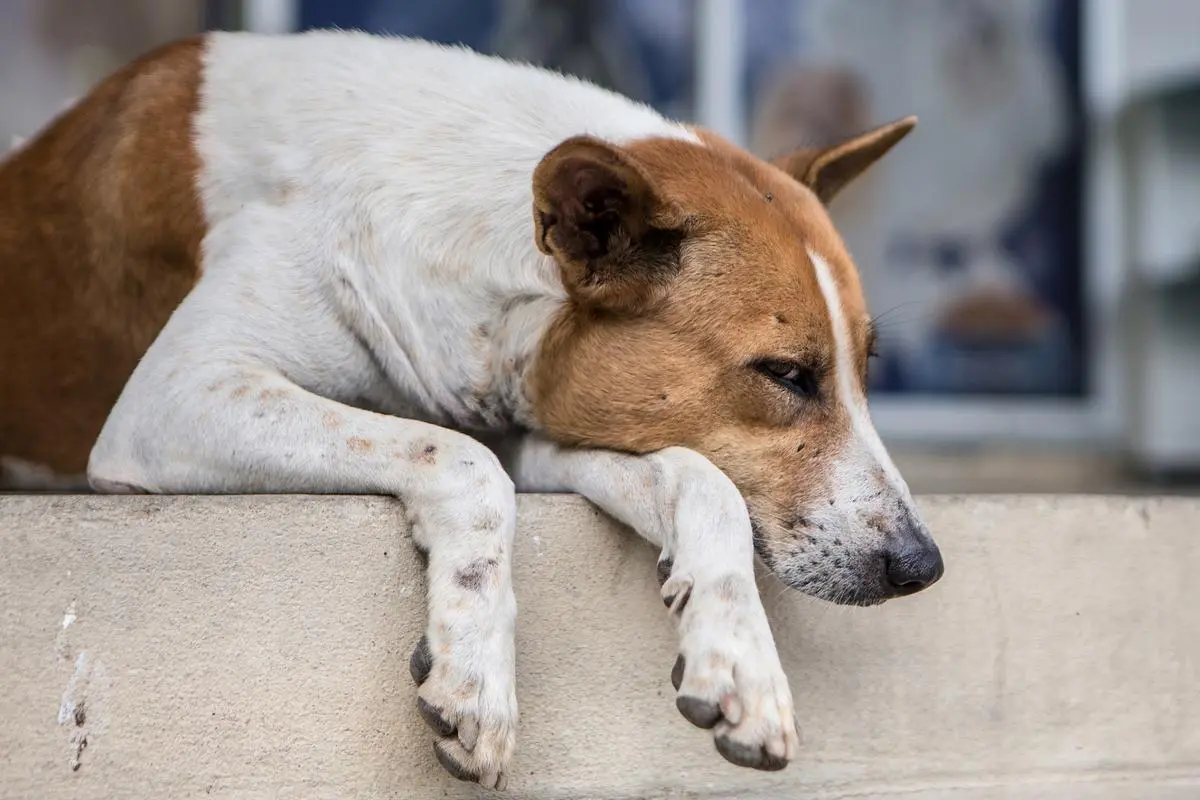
370 246
679 501
407 168
865 450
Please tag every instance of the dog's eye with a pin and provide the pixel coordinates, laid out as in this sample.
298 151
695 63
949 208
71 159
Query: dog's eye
793 377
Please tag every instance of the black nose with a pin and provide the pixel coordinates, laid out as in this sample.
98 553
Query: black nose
914 564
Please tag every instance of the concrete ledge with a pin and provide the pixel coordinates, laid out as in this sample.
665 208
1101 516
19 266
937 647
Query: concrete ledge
257 647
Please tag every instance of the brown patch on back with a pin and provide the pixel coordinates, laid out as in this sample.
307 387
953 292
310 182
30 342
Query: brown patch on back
100 231
359 444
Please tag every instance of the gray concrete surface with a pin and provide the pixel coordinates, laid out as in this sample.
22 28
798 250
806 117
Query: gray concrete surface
256 647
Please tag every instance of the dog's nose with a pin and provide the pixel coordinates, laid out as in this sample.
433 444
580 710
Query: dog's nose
914 564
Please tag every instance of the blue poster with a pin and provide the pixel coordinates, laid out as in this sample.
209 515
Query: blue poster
968 235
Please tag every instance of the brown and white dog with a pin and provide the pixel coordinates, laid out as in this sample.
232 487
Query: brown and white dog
332 262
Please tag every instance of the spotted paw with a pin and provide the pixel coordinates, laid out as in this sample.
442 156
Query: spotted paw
471 707
728 676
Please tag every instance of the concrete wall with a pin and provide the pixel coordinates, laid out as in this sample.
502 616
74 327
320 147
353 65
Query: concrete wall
257 647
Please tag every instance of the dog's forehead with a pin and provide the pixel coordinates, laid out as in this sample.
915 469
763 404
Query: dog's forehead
753 264
718 182
712 178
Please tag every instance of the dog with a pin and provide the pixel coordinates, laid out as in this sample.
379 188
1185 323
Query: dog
330 262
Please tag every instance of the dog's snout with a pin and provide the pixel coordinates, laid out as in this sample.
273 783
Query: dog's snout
913 563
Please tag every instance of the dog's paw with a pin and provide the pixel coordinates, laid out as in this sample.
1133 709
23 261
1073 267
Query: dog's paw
471 707
728 676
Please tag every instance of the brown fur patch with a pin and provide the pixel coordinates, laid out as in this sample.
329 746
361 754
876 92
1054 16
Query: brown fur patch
100 231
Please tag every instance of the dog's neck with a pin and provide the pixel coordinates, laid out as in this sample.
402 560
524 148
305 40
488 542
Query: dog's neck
431 260
455 348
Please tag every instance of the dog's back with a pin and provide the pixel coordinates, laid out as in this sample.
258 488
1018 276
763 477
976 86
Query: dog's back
103 213
93 256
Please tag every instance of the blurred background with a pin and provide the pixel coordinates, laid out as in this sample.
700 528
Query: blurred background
1032 252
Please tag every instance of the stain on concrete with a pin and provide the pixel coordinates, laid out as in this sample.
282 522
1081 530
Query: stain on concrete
82 706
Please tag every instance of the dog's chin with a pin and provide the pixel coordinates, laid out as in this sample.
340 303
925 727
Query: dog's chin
841 584
834 589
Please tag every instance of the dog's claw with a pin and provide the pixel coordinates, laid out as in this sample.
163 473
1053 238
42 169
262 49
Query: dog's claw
701 713
677 672
664 570
421 661
433 717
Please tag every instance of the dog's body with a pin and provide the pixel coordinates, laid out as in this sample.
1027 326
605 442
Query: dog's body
677 334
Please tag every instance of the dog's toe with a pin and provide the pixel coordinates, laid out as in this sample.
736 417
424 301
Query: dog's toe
483 763
474 714
468 732
435 717
746 754
444 750
728 676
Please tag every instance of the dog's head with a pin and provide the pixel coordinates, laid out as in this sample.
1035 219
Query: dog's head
713 306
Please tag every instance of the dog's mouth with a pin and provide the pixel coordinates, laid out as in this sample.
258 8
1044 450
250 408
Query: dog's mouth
825 573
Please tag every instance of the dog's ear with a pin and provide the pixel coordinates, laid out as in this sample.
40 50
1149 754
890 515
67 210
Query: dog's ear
599 213
827 170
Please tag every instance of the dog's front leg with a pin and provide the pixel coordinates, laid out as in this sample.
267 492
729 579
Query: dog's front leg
728 674
243 428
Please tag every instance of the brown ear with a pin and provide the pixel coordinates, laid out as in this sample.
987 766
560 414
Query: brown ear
827 170
600 215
